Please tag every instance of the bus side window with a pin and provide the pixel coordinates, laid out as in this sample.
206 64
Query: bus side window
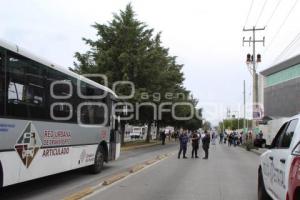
63 91
97 112
26 92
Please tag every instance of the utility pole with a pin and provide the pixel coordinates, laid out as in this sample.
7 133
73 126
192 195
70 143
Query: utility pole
228 113
238 120
244 121
252 60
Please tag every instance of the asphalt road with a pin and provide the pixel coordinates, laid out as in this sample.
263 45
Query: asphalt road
229 174
61 185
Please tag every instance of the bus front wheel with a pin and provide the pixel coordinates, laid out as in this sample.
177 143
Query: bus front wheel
99 160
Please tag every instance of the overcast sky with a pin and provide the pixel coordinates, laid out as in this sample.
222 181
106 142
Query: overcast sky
205 35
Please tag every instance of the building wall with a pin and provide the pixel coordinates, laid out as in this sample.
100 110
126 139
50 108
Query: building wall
283 98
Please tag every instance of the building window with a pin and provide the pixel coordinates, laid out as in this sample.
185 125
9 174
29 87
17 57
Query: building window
284 75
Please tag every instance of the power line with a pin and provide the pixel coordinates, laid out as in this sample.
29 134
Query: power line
261 12
294 49
280 27
287 48
270 18
249 11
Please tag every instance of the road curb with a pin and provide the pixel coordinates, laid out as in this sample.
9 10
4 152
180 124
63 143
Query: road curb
160 157
115 178
136 168
138 147
151 161
257 152
80 194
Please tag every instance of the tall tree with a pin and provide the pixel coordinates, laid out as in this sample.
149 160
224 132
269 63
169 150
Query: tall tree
127 49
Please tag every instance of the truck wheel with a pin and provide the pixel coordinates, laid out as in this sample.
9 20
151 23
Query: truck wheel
261 191
99 160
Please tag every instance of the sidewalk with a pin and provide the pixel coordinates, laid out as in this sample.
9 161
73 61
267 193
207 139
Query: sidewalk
257 151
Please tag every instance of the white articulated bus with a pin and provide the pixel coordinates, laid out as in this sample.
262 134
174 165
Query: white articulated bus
51 119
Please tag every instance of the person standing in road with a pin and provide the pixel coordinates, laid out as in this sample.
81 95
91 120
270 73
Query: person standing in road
183 139
176 135
250 136
195 144
163 137
213 138
260 135
205 144
241 137
221 137
230 139
235 138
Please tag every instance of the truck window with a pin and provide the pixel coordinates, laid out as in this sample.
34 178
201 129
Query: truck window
287 137
276 140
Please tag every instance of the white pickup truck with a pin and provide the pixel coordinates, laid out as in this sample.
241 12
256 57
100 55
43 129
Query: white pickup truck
279 168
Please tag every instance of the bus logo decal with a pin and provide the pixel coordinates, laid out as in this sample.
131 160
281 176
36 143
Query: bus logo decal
28 144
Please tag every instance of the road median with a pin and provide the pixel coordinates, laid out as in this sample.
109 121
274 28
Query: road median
80 194
115 178
136 168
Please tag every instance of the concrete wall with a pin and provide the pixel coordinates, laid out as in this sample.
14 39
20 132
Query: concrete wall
282 99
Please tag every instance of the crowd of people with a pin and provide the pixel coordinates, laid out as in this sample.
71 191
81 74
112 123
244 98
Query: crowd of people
233 138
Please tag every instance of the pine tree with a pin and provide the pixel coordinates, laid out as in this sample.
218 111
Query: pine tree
128 50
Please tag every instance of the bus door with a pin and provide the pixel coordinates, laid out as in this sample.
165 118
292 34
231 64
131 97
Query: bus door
114 144
114 139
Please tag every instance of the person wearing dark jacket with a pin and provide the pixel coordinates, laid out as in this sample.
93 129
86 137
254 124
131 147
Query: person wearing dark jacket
205 144
195 144
163 137
183 139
